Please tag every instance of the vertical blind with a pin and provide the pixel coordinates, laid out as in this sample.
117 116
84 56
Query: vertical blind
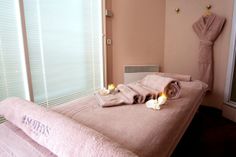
65 48
13 80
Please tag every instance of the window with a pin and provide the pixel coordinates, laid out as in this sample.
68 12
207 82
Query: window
65 48
13 78
64 41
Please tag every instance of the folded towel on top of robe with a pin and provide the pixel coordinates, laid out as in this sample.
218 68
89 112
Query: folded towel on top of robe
168 86
179 77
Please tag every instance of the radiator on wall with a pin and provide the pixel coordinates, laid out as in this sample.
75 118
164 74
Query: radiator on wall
134 73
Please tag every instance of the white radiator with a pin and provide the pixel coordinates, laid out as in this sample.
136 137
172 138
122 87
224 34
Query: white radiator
137 72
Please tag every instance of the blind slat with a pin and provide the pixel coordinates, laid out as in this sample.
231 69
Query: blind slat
65 48
12 72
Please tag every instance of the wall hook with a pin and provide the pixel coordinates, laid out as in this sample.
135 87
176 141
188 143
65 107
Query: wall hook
208 7
177 10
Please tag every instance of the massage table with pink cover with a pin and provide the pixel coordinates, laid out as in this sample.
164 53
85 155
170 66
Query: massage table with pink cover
127 130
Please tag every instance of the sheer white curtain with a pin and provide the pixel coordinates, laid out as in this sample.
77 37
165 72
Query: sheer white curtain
65 48
13 81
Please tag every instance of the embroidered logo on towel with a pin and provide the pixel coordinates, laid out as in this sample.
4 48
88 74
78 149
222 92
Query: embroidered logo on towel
36 127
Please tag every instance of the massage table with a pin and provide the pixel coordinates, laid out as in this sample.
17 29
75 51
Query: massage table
144 132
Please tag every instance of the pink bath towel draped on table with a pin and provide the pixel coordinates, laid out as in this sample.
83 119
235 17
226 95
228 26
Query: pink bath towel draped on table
208 29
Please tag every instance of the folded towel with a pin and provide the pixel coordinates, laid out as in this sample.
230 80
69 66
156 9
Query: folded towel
145 92
179 77
168 86
132 96
115 99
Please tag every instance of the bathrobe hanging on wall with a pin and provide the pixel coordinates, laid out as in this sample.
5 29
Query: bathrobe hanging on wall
208 29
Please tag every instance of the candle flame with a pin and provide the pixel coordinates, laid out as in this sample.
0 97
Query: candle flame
163 95
111 86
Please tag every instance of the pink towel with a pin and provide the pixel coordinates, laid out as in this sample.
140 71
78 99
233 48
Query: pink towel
207 28
169 86
132 96
145 92
134 93
61 135
109 100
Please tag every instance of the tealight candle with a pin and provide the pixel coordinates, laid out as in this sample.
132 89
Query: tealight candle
151 103
156 103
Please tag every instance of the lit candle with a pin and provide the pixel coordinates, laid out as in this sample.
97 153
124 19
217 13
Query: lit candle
156 104
162 99
111 87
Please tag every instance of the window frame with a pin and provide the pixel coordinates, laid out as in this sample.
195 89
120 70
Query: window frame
231 63
26 53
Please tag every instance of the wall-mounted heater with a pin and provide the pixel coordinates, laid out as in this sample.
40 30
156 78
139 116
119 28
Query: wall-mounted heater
134 73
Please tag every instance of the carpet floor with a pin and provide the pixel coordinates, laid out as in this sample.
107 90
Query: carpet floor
209 135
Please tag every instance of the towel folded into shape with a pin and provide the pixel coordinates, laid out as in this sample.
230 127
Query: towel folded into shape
123 95
169 86
134 93
140 92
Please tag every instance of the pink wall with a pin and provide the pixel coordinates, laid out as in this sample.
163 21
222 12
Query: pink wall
181 43
137 34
